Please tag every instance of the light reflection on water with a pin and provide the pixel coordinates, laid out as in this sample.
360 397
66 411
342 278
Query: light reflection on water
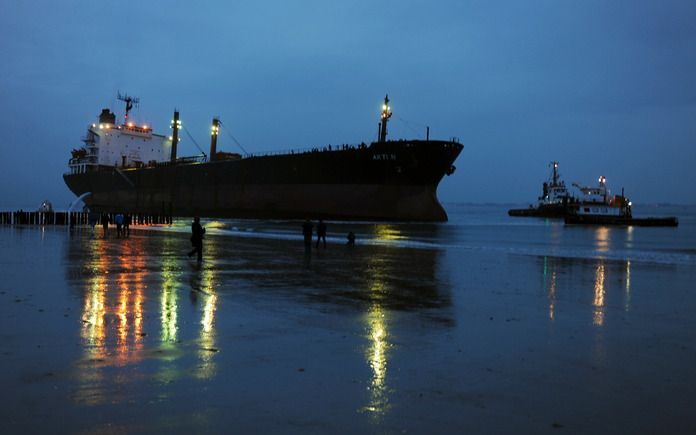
116 302
568 272
377 355
207 368
377 349
133 304
114 309
602 239
169 298
599 293
627 286
155 327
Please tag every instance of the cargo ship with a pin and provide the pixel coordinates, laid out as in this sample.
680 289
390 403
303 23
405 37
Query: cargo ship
555 200
124 167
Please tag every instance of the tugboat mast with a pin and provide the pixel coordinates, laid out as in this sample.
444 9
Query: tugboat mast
386 114
554 178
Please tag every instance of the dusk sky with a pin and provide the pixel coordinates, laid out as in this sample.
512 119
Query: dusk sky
606 88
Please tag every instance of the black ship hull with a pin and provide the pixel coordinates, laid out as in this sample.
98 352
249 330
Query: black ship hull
395 180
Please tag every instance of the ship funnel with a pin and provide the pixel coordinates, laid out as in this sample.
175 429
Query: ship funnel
213 138
176 124
106 117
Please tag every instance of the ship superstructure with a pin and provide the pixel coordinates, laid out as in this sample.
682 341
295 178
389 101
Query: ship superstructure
597 200
113 145
555 199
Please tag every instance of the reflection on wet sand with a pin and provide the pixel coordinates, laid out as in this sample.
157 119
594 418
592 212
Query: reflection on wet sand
134 310
114 309
377 354
387 232
377 348
627 297
550 285
572 271
204 282
111 332
602 239
599 293
169 298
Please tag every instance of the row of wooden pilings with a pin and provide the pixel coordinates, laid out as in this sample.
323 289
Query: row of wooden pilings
65 218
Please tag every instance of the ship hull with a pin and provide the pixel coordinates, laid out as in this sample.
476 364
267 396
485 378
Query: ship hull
385 181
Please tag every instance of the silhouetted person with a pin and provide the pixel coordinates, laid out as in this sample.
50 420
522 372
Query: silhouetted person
197 232
307 232
321 232
119 224
105 223
93 220
127 219
351 239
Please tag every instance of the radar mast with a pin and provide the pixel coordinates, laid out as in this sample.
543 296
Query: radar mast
130 103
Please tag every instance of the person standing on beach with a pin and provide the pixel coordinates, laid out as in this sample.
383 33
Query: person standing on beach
127 219
307 232
105 223
119 224
321 232
351 238
197 232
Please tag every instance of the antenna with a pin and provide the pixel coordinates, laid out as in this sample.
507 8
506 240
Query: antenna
130 102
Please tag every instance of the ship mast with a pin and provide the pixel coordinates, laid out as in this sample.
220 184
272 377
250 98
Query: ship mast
176 125
130 102
386 114
213 138
554 179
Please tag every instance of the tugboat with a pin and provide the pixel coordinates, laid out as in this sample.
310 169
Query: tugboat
598 207
554 202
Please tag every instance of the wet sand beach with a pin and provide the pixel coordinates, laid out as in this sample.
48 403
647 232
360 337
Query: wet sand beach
129 335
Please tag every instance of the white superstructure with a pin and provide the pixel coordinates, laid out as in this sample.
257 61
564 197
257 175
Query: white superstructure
123 146
555 192
597 201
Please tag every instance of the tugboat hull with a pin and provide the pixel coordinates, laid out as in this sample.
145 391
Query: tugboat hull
547 211
622 220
